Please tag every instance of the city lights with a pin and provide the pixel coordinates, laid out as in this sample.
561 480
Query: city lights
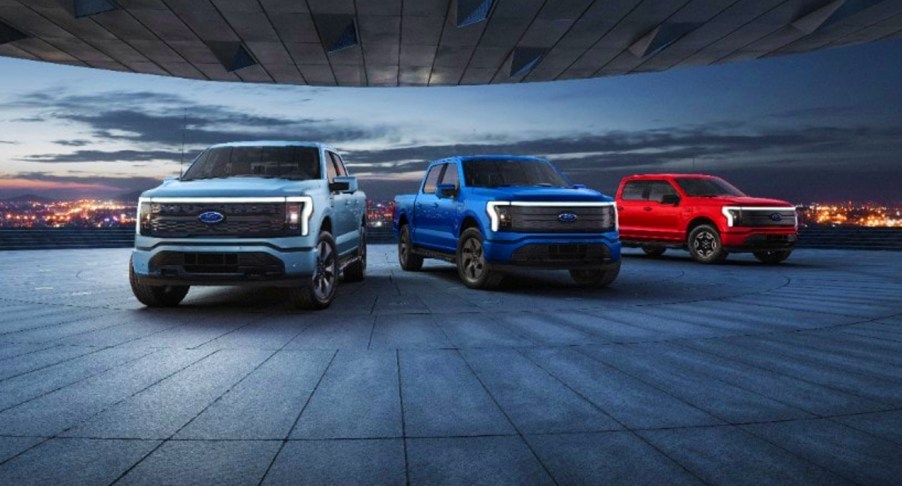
93 213
84 213
868 215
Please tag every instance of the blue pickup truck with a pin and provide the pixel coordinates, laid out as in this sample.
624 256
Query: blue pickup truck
487 214
281 214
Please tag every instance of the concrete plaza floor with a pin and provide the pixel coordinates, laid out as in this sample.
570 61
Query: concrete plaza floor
679 373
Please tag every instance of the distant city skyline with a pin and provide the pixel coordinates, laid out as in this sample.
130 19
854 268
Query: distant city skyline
823 126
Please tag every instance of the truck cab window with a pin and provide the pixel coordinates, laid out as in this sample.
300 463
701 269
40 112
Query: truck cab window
635 191
451 176
659 189
331 170
432 179
339 165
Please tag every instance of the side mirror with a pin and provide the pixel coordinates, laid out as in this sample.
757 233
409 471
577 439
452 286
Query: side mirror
346 184
445 190
670 199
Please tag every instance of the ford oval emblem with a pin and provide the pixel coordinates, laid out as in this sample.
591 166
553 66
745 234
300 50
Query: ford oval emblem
776 217
567 217
211 217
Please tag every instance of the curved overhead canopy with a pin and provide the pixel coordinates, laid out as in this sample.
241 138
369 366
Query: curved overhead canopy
427 42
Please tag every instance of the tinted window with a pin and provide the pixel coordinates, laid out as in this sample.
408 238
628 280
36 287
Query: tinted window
635 191
298 163
339 165
707 187
432 179
659 189
450 176
331 171
511 172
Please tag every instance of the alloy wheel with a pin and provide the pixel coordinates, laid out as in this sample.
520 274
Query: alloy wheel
324 278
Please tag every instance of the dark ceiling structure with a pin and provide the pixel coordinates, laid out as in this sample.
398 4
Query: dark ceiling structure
427 42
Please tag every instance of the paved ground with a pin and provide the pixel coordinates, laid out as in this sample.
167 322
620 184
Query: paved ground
678 374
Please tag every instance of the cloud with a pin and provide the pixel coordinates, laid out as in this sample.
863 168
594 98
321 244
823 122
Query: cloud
7 142
112 156
816 112
73 143
151 119
652 148
115 185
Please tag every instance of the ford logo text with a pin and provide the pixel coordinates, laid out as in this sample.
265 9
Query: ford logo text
776 217
211 217
567 217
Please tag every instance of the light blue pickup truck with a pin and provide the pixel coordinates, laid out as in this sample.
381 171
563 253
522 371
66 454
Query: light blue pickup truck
281 214
488 214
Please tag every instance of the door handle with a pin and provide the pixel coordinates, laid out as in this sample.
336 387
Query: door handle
435 204
619 208
647 208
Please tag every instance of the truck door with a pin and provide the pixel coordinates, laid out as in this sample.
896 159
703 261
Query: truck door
427 220
633 210
343 225
664 219
447 210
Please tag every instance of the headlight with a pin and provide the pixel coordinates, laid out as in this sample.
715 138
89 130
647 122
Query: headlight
734 216
293 215
500 215
145 217
298 213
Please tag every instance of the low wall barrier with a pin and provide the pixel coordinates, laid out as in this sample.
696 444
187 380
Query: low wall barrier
41 239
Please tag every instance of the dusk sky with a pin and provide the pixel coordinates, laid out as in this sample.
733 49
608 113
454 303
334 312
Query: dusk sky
823 126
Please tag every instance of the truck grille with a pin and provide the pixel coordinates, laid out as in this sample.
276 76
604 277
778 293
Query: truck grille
250 263
561 254
563 219
764 217
240 220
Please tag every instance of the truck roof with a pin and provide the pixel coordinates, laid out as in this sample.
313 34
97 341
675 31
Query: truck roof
274 143
669 175
464 158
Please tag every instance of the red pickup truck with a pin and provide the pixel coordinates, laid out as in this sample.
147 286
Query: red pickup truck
705 215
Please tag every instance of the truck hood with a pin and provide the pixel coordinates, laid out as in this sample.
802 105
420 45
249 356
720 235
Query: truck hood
748 201
233 187
541 194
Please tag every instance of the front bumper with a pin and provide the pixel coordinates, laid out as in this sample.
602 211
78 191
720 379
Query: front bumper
272 262
739 239
552 251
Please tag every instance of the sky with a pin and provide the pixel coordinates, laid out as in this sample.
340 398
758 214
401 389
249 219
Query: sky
823 126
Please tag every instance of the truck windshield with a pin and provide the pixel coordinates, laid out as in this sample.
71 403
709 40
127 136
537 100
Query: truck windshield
292 162
511 172
707 187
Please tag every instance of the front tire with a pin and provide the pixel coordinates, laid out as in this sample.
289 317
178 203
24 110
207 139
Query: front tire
772 257
156 295
472 267
596 278
320 290
356 271
408 260
705 246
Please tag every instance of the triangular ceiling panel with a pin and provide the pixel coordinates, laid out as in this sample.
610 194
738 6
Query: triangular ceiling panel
233 55
660 38
525 59
337 32
10 34
86 8
471 12
831 13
